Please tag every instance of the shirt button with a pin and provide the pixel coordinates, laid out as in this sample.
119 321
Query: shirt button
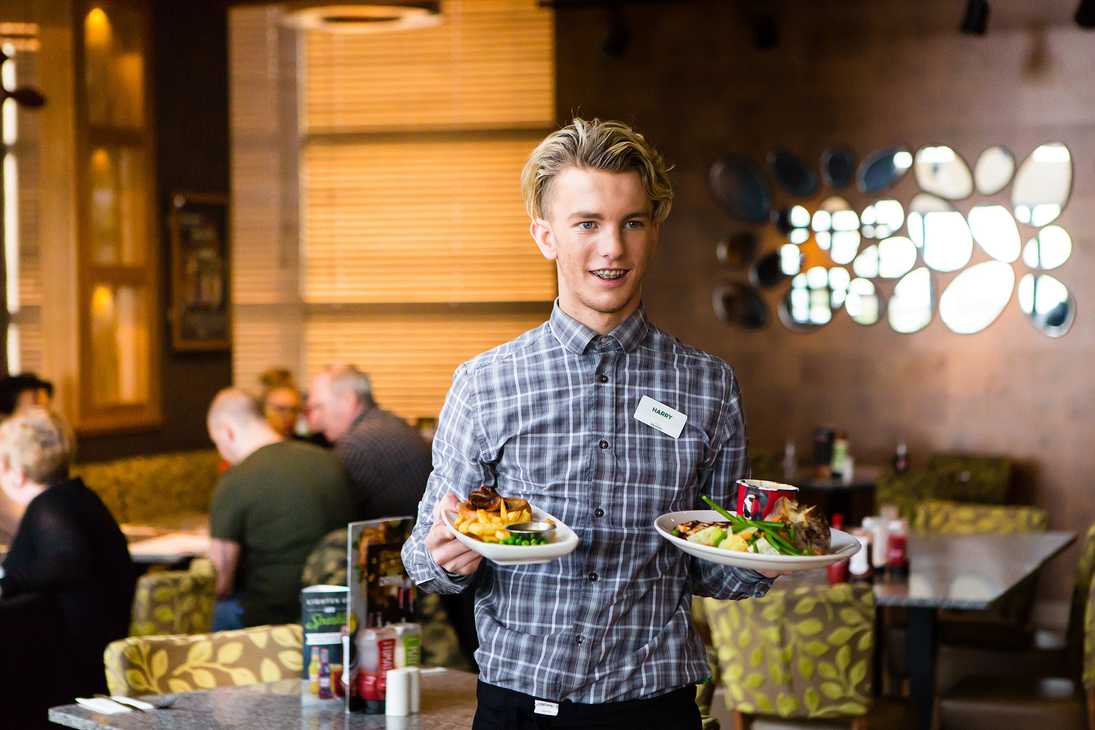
598 512
603 444
592 577
602 378
578 641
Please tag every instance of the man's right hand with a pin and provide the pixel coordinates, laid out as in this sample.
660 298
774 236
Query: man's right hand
448 552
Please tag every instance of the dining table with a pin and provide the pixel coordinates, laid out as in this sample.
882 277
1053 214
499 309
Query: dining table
962 572
448 703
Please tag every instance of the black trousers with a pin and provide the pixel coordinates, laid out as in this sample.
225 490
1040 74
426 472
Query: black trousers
505 709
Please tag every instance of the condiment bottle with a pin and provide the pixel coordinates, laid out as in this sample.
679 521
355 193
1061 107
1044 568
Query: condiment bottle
901 458
897 553
859 566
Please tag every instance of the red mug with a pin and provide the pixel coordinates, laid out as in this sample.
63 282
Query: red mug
757 498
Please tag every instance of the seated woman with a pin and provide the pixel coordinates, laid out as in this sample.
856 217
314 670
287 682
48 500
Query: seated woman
67 547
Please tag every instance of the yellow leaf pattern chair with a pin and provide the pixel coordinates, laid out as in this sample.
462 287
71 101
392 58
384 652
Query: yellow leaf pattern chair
944 517
803 652
158 664
175 601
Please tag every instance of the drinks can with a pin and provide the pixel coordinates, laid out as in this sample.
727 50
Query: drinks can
757 498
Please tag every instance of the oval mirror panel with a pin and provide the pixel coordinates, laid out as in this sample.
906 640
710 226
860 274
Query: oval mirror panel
993 170
863 304
995 231
740 304
940 232
739 188
792 174
896 257
941 171
882 219
837 167
974 299
1047 303
910 307
883 169
768 270
1049 249
866 263
807 304
737 250
1042 185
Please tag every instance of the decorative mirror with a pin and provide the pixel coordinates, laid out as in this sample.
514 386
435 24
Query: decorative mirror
995 231
1048 303
863 304
896 257
1042 185
993 170
807 305
740 304
790 259
792 174
940 232
1049 249
883 169
839 281
837 167
881 219
737 250
738 185
910 307
768 270
976 297
835 216
941 171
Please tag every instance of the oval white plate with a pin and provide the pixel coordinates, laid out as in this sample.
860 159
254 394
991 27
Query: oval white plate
564 543
843 546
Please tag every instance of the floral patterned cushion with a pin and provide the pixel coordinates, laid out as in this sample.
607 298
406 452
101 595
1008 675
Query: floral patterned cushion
963 518
326 564
146 488
1089 640
966 478
803 652
1079 615
175 601
156 664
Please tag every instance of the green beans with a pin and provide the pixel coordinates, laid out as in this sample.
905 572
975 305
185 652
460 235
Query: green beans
772 531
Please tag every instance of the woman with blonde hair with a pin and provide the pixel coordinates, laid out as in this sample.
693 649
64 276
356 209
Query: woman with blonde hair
68 547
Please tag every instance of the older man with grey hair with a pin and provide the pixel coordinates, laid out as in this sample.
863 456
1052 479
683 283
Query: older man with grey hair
387 461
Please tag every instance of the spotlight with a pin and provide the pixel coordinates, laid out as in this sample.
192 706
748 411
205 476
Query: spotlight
976 19
765 32
1085 14
618 38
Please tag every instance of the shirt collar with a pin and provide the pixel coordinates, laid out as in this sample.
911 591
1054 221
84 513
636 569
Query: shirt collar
576 337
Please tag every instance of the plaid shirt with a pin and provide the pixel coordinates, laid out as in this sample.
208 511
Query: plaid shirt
549 417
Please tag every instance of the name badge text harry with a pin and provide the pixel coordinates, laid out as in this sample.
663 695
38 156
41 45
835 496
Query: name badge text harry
660 416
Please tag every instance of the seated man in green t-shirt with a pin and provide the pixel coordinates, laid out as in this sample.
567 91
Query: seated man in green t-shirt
274 504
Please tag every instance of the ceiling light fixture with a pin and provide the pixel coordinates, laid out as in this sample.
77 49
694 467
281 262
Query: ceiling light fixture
976 19
362 17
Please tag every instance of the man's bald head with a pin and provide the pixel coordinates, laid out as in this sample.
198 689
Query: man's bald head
235 406
236 425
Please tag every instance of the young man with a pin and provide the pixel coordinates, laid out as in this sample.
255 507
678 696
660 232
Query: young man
601 638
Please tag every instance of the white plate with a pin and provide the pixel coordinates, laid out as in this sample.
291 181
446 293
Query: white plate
563 543
843 546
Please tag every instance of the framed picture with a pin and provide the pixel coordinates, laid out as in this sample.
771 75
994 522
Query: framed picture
200 315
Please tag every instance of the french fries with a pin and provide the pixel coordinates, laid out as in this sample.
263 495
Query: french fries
489 526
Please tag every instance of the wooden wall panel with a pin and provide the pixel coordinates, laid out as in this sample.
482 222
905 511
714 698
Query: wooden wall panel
867 74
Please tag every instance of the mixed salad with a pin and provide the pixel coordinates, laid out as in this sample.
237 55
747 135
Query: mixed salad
789 530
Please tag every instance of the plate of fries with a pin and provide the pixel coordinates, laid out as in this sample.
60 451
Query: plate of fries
483 523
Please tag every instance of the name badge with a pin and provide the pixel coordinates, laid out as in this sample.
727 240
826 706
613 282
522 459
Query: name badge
660 416
546 708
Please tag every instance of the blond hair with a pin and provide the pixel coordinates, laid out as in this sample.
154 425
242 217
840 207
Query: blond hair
38 443
609 146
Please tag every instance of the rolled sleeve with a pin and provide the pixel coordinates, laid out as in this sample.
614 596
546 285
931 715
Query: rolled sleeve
730 463
460 465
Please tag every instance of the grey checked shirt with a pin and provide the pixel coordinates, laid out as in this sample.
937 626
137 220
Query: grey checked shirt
549 417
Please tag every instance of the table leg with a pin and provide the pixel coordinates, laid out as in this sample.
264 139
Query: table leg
920 658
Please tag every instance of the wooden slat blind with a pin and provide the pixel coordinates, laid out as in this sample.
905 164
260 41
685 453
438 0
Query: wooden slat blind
420 221
410 146
489 64
411 355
